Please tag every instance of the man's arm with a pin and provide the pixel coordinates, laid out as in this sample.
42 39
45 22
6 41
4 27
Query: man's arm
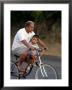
26 43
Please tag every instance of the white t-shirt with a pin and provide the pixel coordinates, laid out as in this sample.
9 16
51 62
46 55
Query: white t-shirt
21 35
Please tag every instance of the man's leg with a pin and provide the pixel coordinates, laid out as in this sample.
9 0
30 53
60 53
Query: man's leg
22 57
22 52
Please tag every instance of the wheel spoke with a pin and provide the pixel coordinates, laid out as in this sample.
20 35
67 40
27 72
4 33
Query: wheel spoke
46 72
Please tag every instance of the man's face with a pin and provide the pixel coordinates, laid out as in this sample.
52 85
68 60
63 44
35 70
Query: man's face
31 28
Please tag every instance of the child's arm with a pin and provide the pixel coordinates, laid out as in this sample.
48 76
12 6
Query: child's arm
42 43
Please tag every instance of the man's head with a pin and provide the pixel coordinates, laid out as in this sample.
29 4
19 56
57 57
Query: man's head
29 26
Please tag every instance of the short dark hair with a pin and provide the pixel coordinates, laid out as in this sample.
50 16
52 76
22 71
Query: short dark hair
28 23
35 36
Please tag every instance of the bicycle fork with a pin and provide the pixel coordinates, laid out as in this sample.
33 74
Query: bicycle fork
43 71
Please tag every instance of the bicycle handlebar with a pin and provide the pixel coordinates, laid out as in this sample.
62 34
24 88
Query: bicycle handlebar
39 49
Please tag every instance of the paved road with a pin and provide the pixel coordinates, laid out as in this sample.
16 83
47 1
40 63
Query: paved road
52 60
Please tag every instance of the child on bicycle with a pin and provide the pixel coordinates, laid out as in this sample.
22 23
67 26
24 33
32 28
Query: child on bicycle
32 54
34 43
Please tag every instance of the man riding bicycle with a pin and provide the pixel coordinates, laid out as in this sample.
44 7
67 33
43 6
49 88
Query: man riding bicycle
21 43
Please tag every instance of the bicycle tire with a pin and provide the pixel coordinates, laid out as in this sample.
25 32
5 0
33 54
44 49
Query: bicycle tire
48 73
15 69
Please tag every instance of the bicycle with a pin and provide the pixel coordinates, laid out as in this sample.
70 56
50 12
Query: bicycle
44 71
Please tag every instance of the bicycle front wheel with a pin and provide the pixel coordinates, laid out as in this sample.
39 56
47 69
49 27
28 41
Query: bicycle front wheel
46 71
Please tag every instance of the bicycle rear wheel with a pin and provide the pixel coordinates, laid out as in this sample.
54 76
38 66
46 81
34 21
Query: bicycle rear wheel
14 71
46 72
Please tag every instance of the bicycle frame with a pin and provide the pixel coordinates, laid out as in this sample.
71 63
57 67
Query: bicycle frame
43 68
43 71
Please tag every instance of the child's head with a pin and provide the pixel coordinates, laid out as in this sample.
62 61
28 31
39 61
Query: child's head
34 39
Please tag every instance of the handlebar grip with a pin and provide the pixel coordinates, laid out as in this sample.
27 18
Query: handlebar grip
45 48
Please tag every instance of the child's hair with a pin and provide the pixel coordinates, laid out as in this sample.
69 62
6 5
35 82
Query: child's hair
35 36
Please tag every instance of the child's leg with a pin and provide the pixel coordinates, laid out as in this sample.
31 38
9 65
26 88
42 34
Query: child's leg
34 58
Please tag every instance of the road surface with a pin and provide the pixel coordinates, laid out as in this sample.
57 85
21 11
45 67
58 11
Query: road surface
52 60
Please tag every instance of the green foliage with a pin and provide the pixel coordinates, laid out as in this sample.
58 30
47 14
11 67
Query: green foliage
43 36
48 23
37 15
